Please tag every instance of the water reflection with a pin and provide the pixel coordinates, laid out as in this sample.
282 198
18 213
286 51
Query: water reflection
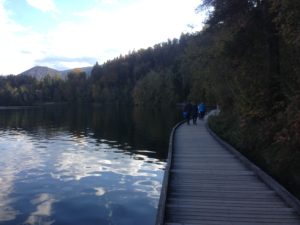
99 191
43 212
17 155
136 128
75 162
91 165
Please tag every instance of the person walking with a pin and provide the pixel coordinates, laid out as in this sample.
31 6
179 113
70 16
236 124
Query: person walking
194 113
201 110
187 109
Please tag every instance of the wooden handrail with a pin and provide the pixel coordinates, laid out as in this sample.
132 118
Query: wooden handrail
284 194
160 216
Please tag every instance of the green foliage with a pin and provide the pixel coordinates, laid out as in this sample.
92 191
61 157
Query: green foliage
287 19
19 90
133 79
254 68
75 88
156 88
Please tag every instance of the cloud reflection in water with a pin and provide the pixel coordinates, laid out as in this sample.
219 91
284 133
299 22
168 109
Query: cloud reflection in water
17 155
87 159
105 170
43 210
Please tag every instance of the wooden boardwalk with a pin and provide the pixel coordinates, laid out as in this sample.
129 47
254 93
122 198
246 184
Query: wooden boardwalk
207 184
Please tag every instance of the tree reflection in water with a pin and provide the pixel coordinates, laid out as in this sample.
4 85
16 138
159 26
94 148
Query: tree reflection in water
82 165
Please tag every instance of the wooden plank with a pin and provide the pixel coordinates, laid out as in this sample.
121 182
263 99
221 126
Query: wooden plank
234 217
258 221
223 223
228 202
248 208
223 192
213 171
231 214
213 182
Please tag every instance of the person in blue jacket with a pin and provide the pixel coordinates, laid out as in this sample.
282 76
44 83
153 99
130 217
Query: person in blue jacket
201 110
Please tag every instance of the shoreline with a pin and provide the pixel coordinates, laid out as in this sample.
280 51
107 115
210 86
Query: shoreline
31 106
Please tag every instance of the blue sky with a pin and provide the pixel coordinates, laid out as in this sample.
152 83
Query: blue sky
64 34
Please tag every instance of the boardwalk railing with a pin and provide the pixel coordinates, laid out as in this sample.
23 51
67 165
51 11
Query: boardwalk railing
164 189
285 195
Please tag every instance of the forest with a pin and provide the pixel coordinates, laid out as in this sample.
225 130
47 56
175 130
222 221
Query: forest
147 76
246 59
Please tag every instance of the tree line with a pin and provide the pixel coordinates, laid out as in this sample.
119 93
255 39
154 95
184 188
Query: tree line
149 75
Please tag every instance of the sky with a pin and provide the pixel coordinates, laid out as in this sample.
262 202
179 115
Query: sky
65 34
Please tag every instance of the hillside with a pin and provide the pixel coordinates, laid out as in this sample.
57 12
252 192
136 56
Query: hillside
40 72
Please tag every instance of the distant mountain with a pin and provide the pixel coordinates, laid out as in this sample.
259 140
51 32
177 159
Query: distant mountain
41 71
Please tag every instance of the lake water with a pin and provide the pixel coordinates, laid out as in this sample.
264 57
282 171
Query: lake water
82 164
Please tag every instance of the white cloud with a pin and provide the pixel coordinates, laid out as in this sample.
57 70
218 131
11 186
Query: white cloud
109 1
19 45
43 5
139 25
96 33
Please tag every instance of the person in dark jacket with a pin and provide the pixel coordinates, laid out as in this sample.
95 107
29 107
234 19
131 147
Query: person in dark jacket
187 110
194 113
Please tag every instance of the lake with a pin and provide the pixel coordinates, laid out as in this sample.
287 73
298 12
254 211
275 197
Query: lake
83 164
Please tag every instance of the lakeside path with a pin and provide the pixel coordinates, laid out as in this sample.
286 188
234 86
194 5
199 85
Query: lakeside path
207 184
